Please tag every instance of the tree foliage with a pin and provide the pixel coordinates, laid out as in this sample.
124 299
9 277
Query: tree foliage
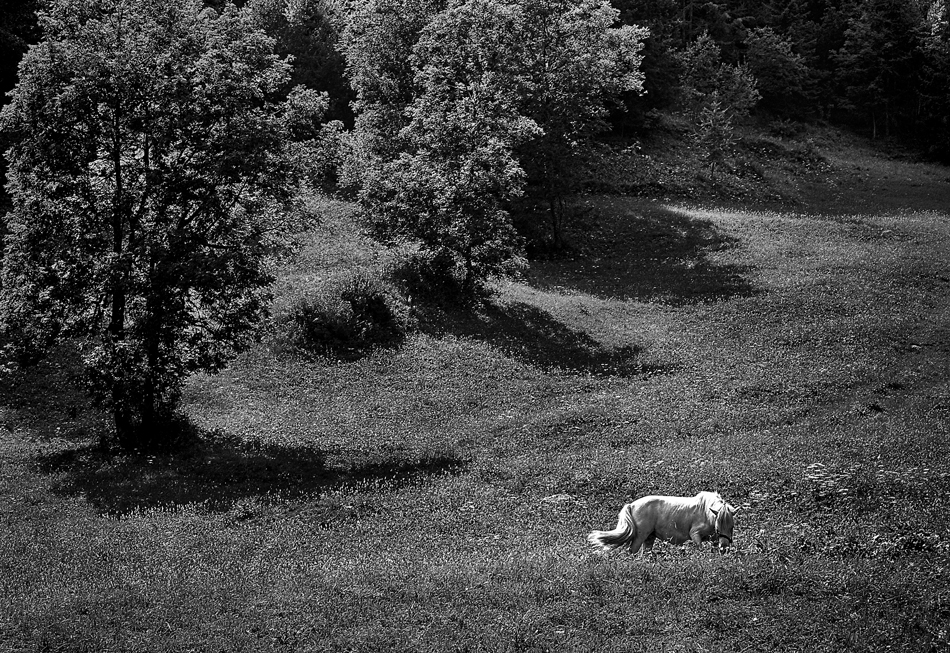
780 73
309 32
706 78
873 64
378 42
494 88
935 80
146 173
715 96
450 189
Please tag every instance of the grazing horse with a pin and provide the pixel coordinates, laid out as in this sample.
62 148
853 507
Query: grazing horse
676 519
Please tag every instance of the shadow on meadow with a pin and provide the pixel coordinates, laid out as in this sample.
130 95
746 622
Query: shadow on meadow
210 468
652 253
535 337
218 472
48 399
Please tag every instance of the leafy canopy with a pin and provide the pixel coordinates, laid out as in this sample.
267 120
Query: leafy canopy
493 88
449 190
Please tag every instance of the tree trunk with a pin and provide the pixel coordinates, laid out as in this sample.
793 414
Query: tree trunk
555 227
556 211
122 417
121 408
468 283
147 411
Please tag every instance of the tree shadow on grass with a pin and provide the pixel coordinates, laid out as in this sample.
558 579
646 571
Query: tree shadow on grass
214 470
217 472
648 253
47 398
535 337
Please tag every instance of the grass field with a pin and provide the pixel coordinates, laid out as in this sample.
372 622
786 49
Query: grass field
436 495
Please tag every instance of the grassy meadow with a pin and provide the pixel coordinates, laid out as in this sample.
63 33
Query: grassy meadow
435 495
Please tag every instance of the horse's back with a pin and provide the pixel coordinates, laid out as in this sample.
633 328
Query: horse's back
669 517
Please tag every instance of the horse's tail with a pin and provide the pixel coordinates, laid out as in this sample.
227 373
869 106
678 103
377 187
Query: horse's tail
625 531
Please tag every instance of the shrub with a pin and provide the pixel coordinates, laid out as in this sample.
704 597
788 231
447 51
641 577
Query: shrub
436 277
319 160
348 317
426 274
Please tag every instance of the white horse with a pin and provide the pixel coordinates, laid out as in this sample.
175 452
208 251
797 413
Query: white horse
676 519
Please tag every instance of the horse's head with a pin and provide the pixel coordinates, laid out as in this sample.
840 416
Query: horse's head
725 523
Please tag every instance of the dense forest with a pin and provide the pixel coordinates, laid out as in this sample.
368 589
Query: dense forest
156 151
880 66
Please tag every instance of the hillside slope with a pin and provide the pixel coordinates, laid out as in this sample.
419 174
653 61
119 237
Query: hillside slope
790 353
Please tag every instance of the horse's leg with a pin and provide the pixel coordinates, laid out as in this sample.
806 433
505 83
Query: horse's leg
648 544
637 543
696 538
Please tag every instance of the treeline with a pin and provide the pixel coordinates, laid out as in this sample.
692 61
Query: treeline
882 66
879 66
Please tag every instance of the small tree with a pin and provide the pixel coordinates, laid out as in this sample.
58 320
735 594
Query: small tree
453 208
780 73
146 176
715 96
715 134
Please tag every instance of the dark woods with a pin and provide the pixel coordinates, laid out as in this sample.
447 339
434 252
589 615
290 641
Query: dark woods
879 66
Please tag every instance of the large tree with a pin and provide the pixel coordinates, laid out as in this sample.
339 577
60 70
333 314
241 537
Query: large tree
494 88
147 174
570 63
880 62
450 189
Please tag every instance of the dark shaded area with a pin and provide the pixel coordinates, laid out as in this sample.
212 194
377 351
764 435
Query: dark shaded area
18 30
218 472
211 468
535 337
652 255
48 398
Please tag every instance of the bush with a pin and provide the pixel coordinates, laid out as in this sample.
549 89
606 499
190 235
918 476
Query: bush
348 317
319 160
438 278
426 274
